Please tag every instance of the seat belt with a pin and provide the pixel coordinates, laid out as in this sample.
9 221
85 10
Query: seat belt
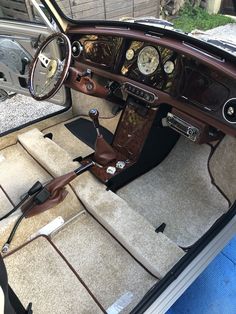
9 302
2 301
7 307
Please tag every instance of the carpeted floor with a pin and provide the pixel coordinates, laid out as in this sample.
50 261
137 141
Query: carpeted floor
106 268
178 193
18 172
38 274
223 167
155 251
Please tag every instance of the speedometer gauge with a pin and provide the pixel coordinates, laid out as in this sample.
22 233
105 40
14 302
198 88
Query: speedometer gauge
148 60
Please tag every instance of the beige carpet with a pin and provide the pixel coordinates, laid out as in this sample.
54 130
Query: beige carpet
156 251
179 193
18 172
223 167
106 268
38 274
5 204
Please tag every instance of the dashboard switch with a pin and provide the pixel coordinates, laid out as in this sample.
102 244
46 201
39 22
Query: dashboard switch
111 170
140 93
120 164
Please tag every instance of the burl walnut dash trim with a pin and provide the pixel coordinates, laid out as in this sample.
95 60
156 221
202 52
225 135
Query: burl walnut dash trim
164 98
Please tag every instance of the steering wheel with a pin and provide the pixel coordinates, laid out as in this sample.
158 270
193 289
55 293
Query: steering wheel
50 66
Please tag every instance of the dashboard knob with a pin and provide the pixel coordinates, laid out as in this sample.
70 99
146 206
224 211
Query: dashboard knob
89 86
230 111
94 114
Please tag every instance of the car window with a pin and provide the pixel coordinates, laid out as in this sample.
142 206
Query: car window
108 9
19 10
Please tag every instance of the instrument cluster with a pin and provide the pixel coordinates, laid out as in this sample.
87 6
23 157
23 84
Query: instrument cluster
149 64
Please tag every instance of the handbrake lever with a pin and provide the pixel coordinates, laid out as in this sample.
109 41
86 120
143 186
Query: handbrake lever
44 198
57 191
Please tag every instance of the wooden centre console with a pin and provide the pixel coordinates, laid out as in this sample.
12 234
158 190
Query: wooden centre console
129 139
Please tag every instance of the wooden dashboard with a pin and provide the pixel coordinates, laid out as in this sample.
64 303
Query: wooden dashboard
195 82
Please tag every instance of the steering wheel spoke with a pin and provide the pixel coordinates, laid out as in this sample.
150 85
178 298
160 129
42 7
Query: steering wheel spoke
44 60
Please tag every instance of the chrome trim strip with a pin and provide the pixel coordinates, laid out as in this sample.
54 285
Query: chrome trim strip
203 52
43 16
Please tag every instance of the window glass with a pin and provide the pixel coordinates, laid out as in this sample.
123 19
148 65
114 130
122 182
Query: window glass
108 9
19 10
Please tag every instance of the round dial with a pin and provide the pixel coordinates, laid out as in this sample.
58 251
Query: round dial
77 48
129 54
169 67
148 60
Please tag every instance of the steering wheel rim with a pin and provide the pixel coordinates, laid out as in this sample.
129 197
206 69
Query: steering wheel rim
64 72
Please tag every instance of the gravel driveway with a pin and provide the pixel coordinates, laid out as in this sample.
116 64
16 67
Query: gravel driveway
20 109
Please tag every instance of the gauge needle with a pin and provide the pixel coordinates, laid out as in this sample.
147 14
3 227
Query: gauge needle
153 60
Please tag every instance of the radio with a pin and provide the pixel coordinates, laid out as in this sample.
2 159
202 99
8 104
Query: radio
183 127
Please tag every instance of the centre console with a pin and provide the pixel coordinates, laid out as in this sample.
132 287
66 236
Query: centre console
140 143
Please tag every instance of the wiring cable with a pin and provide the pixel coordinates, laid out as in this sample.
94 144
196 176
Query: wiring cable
41 197
34 189
15 208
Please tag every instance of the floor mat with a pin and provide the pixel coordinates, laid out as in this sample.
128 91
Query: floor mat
85 131
38 274
73 145
112 275
178 193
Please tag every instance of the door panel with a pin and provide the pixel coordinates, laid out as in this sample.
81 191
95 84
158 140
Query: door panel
19 40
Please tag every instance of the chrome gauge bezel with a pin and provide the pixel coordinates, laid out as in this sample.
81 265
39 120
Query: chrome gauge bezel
144 64
223 110
169 63
77 53
129 54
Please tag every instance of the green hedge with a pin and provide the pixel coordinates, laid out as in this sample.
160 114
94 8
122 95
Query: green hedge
191 18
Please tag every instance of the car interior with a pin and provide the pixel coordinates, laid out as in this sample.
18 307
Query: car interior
152 124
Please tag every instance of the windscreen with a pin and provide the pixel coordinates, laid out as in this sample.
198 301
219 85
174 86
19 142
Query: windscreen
108 9
20 11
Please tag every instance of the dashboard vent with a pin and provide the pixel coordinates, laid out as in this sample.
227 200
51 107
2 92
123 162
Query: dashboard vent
76 49
154 34
229 110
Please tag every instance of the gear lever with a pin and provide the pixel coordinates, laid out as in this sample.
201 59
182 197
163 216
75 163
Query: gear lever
104 153
94 114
